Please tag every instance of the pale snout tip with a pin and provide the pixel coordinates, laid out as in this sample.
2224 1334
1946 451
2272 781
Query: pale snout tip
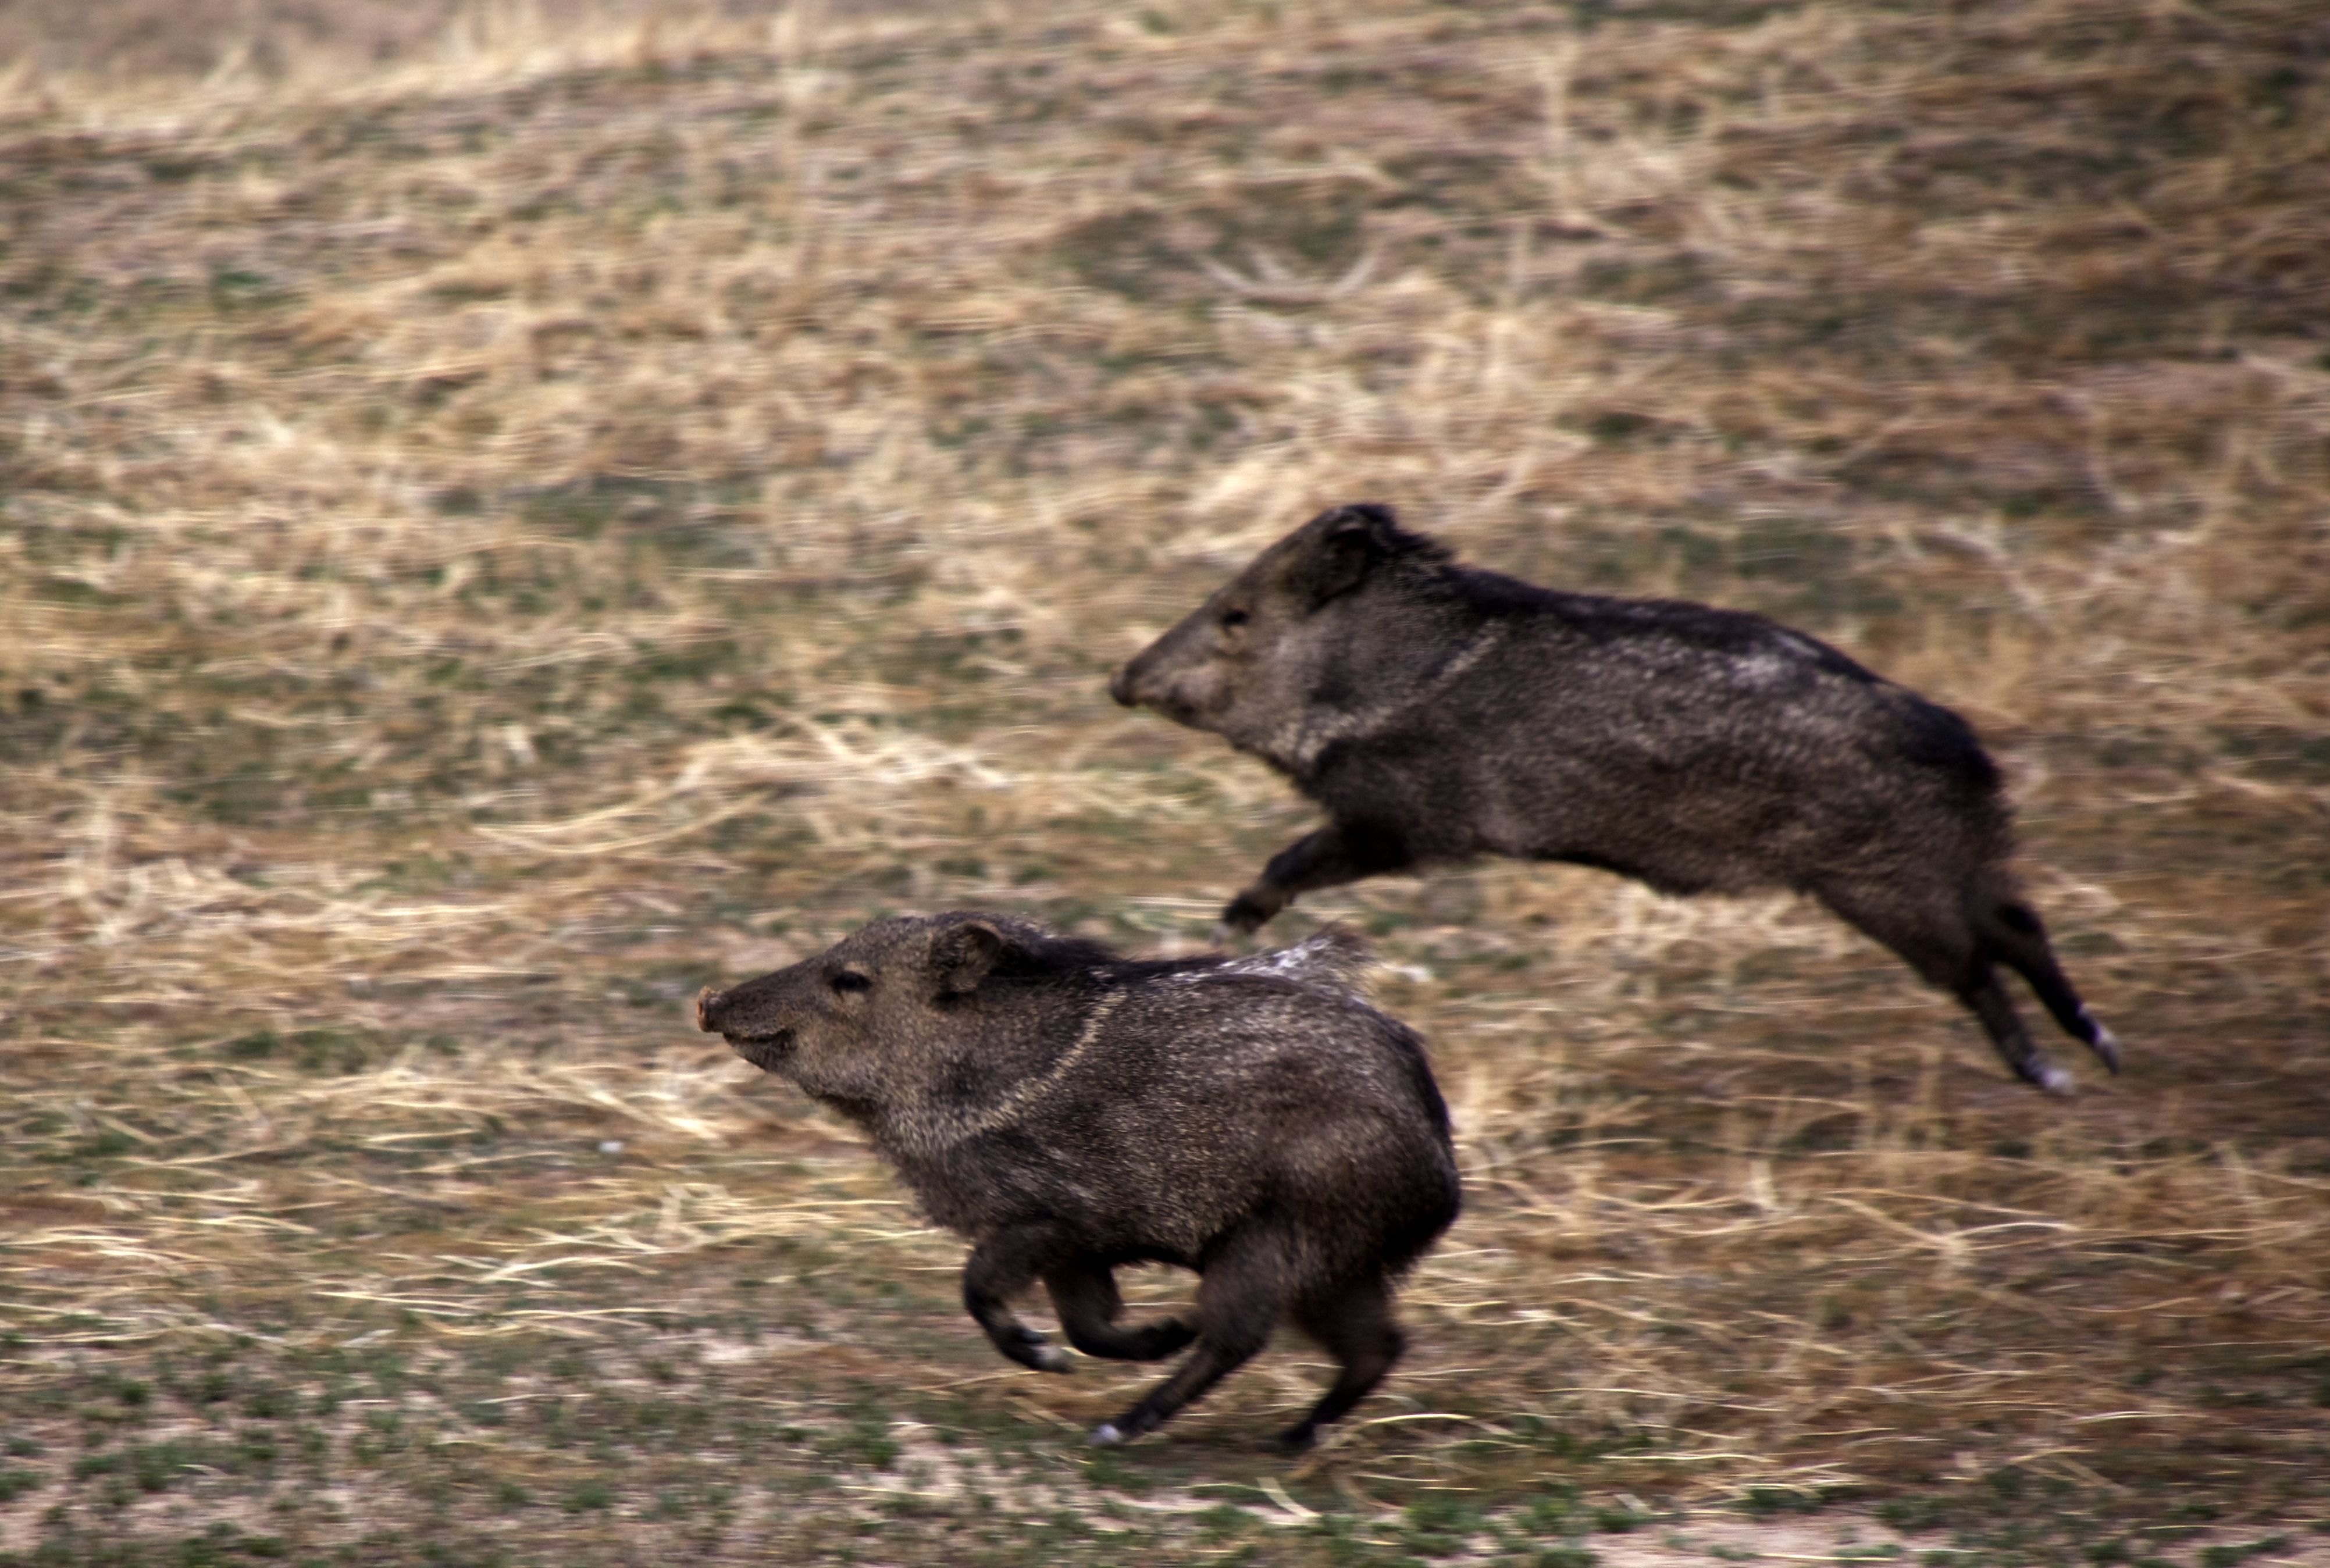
704 1000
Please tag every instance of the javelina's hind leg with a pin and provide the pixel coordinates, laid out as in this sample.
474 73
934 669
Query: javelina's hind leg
1356 1326
1989 1002
1339 853
1242 1299
2019 938
1926 925
1000 1268
1085 1295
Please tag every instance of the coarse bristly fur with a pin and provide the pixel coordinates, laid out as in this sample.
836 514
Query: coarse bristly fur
1440 713
1070 1110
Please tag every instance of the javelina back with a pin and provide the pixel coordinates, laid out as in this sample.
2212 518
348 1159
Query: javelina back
1070 1110
1441 713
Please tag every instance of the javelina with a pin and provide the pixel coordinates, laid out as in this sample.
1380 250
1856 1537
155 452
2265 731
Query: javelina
1070 1110
1440 713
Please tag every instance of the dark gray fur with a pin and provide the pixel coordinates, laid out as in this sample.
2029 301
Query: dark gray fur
1440 713
1070 1110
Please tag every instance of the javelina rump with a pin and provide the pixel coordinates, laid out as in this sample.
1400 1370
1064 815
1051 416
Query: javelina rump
1070 1110
1440 713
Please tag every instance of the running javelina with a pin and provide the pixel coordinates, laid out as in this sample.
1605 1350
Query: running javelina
1440 713
1070 1110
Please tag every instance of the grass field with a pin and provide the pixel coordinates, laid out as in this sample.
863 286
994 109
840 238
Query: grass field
507 517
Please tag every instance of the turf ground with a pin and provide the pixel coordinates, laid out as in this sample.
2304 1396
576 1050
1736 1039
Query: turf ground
508 515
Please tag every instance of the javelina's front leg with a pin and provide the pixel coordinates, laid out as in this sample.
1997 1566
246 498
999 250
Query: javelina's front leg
1339 853
1084 1293
1000 1268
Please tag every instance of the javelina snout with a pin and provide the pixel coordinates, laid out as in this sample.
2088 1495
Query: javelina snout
1175 677
750 1017
1123 685
1072 1111
1439 713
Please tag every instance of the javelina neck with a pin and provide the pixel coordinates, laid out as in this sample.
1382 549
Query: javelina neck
1380 696
928 1124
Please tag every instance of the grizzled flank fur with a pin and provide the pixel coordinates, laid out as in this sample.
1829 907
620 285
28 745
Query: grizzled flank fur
1069 1110
1440 713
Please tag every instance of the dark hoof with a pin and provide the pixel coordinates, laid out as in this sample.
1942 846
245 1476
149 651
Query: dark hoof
1132 1423
1032 1351
1243 918
1298 1440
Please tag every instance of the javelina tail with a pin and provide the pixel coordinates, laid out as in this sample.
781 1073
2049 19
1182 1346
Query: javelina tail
2016 937
1429 1212
1410 1046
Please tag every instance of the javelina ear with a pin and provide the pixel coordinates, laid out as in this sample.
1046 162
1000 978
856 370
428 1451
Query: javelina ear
1352 540
962 955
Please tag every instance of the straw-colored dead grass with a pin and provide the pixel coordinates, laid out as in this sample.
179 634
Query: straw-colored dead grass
496 538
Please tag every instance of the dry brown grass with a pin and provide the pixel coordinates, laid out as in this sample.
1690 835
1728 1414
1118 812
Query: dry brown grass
497 537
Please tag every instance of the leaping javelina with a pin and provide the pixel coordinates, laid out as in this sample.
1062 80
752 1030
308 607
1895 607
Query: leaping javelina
1070 1110
1441 713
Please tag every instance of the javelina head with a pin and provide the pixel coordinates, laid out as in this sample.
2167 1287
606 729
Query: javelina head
861 1025
1242 663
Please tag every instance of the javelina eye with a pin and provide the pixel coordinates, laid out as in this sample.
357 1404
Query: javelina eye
851 980
1234 618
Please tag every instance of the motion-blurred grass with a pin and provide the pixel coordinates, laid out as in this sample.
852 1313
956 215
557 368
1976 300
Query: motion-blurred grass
508 515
